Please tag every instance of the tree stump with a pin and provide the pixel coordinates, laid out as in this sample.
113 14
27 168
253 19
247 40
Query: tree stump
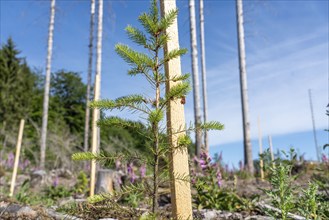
105 179
39 177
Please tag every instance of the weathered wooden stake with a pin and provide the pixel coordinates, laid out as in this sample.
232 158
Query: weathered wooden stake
95 129
18 151
180 189
260 141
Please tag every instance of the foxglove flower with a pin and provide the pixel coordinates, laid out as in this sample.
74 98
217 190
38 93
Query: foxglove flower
219 178
324 158
220 158
226 168
130 168
133 177
55 182
142 171
10 160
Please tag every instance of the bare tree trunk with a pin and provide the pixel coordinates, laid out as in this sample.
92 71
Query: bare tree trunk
195 70
204 75
90 65
260 142
318 153
47 85
244 90
97 88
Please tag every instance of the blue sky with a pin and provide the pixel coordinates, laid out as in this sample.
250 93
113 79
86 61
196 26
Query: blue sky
287 54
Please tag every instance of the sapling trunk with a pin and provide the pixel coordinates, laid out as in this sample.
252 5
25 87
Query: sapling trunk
161 33
155 129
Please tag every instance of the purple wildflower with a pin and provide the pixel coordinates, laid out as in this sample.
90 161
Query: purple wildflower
220 158
205 156
24 164
142 170
219 178
226 168
204 160
10 160
130 168
55 182
133 177
131 173
193 181
324 158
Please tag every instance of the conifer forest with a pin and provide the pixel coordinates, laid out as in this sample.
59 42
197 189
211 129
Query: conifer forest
164 109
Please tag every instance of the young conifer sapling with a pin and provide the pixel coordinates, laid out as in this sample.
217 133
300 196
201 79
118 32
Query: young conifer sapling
150 65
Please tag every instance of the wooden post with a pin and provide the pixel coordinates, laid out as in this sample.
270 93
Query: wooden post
180 189
271 149
260 141
18 151
96 113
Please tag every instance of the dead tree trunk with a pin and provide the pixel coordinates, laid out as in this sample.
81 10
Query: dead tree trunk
90 65
204 75
195 70
244 90
47 85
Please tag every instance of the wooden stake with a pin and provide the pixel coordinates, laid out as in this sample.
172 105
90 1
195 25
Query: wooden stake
18 151
96 114
180 189
271 149
260 141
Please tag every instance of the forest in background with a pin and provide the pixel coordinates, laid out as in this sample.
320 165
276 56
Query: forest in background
21 96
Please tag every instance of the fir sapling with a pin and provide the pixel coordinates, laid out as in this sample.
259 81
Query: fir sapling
150 65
